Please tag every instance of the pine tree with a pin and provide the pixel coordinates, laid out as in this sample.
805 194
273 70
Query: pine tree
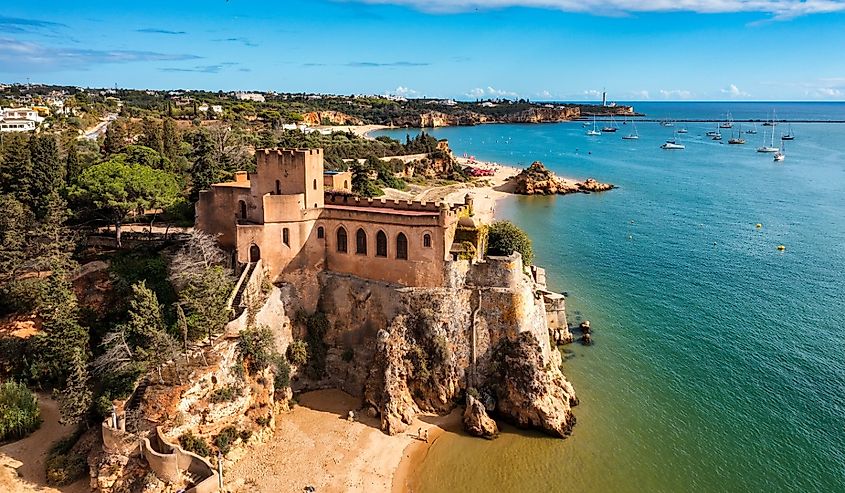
16 169
115 139
170 139
48 171
151 135
75 395
73 166
205 170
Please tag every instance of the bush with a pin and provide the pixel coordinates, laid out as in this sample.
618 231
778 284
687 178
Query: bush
224 440
281 371
348 354
263 420
256 348
504 238
63 465
195 444
225 394
19 414
297 352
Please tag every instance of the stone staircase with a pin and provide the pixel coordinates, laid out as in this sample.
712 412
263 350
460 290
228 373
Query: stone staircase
237 302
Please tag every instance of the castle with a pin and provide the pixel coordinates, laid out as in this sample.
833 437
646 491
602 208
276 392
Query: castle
296 217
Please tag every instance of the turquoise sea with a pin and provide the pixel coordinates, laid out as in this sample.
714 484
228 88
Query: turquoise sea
719 362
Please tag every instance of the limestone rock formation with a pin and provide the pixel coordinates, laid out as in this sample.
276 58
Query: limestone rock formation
476 421
538 180
330 118
467 117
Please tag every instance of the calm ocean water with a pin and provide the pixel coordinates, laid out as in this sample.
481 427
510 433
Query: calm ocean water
719 362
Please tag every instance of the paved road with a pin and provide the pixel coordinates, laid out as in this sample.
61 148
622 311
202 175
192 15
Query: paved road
100 128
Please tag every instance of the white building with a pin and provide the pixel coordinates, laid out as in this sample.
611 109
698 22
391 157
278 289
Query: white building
9 125
217 108
250 96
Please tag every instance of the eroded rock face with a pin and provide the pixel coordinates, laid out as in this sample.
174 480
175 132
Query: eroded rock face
330 118
476 421
537 180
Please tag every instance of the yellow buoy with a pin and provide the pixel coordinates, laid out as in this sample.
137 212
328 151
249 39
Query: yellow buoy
759 225
781 247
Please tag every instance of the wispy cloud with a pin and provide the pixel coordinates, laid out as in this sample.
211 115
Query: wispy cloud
780 9
153 30
405 92
387 64
675 94
205 69
17 56
490 92
240 39
17 24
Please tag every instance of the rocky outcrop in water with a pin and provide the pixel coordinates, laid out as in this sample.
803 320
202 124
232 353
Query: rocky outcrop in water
476 421
537 180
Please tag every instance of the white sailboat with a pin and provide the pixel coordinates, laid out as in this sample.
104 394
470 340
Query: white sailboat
632 136
594 131
768 148
781 154
672 144
752 131
728 121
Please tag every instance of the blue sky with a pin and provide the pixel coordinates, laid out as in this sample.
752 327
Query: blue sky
539 49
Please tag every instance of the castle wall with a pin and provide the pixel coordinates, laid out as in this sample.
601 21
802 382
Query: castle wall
217 212
340 181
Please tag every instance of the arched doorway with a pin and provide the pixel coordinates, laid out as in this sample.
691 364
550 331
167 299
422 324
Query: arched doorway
241 209
254 253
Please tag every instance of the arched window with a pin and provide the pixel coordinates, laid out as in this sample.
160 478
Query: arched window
315 184
341 240
254 253
321 233
402 246
361 242
345 184
278 187
427 240
242 207
381 244
286 236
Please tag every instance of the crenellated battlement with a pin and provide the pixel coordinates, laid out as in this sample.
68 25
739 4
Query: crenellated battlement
450 210
290 152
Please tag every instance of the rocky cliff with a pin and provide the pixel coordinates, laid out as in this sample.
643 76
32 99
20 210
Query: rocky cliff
466 117
411 350
330 118
537 180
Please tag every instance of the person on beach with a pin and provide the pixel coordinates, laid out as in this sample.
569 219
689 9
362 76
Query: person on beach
426 436
419 434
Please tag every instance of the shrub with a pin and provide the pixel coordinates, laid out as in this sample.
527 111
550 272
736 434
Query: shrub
473 392
224 440
195 444
256 348
281 371
225 394
504 238
263 420
297 352
63 465
19 414
348 354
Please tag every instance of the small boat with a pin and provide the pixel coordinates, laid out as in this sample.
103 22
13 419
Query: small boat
768 148
632 136
780 155
672 144
752 131
737 139
789 135
610 128
717 136
728 123
683 130
593 131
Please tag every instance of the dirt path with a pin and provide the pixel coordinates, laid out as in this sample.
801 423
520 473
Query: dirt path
28 455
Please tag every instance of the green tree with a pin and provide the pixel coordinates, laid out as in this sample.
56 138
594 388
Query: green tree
16 169
48 170
504 238
75 395
15 223
170 139
205 170
118 189
205 297
362 182
151 135
115 139
73 165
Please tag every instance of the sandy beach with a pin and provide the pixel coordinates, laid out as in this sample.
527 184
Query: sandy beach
315 445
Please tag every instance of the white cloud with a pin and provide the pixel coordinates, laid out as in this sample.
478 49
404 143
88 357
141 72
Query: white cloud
780 9
592 94
825 93
643 94
734 92
490 92
405 92
675 94
545 94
